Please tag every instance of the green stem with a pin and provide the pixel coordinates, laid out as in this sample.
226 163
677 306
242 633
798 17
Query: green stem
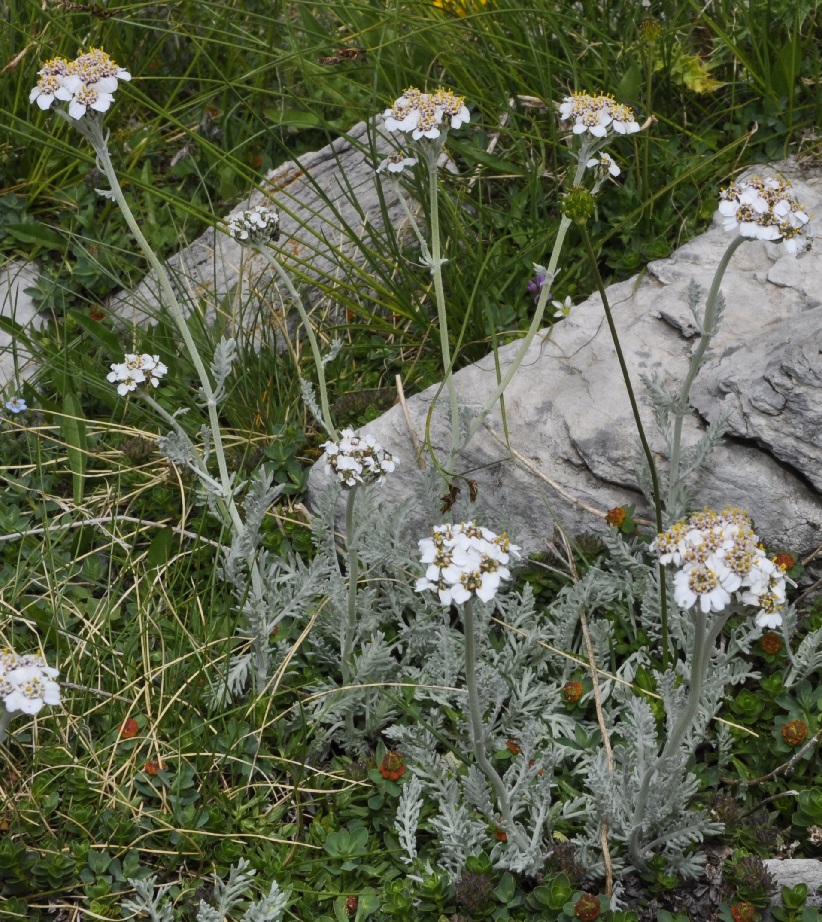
585 153
704 641
442 316
646 448
351 622
5 720
93 131
708 324
477 732
312 339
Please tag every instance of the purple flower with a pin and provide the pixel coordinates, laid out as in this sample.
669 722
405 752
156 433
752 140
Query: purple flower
535 286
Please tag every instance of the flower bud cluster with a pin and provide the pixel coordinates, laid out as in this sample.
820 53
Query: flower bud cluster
720 561
256 225
464 560
26 682
597 115
423 115
88 82
357 459
765 209
135 370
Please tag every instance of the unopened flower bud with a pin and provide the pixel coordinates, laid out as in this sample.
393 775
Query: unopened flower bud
578 205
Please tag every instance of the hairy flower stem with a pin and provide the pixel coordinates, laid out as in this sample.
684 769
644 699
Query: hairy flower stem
92 129
347 651
709 322
436 262
646 448
477 732
283 276
5 719
704 641
584 154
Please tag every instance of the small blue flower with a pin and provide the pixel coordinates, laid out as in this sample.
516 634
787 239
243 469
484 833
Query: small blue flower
16 405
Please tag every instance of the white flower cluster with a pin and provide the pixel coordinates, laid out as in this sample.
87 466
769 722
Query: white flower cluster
465 559
720 561
135 370
765 209
357 459
422 115
26 682
256 225
597 115
88 82
604 164
396 162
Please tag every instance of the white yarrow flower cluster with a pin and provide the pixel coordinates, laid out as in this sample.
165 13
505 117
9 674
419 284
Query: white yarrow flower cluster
424 115
396 162
765 208
256 225
464 560
720 561
26 682
357 459
88 82
597 115
135 370
604 164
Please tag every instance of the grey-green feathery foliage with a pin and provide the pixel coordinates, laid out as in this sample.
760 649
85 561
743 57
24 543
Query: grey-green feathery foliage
152 902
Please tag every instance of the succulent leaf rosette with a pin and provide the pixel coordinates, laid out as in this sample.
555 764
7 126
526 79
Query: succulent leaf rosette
465 560
720 560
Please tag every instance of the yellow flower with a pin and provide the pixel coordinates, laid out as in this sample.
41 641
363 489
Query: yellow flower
460 7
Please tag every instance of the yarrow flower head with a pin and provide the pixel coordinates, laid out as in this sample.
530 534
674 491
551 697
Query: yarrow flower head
255 225
597 115
357 459
765 208
26 682
465 560
88 82
426 115
16 405
604 164
136 370
396 162
720 561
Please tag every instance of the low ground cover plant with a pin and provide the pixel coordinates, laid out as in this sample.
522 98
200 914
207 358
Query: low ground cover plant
214 705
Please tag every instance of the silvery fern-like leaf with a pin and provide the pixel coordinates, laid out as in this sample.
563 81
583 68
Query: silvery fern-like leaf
228 893
270 908
149 900
332 353
806 659
177 448
224 355
310 401
696 457
408 817
233 684
477 793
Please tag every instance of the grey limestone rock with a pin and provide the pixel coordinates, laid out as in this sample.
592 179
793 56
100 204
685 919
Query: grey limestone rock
792 871
325 198
573 448
15 360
